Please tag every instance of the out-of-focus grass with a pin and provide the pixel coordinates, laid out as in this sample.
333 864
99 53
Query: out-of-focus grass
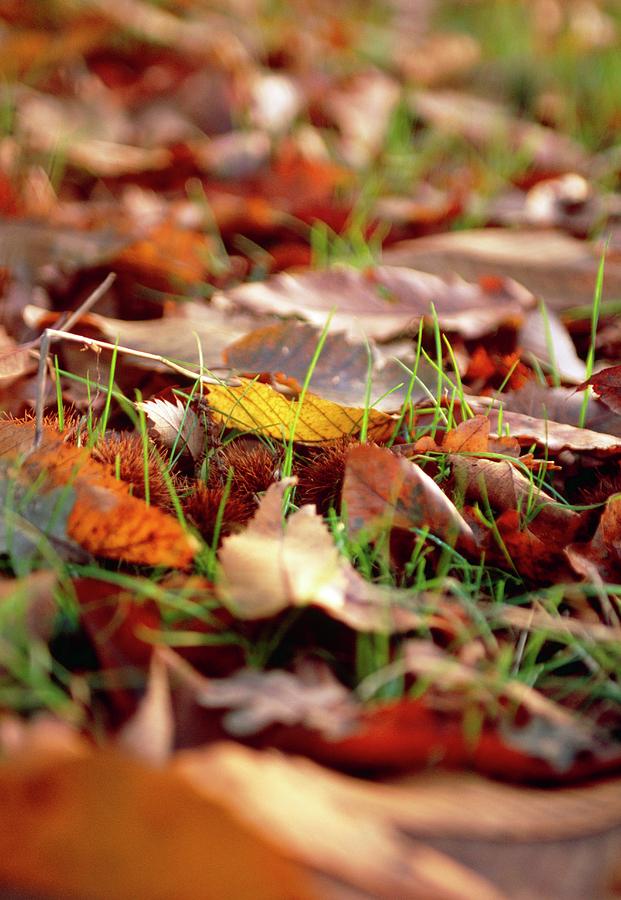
570 75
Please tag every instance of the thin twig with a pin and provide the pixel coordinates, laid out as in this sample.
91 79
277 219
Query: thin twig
44 341
90 301
53 334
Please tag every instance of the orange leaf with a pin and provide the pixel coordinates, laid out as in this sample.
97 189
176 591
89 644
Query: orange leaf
471 436
104 518
99 825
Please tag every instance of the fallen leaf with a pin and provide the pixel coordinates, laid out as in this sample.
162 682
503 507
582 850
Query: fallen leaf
470 436
149 734
500 484
600 558
382 302
14 362
176 425
256 407
194 334
382 490
99 825
554 266
607 385
338 826
546 338
341 374
256 700
556 436
271 566
484 122
561 406
93 509
362 108
29 246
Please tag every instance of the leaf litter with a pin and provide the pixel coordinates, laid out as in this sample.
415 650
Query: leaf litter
333 469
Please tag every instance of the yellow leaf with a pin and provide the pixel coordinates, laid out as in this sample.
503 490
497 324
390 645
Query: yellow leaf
256 407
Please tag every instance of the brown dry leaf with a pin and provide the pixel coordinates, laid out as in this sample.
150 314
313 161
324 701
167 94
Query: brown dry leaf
600 559
383 302
382 490
99 825
271 566
176 425
528 841
505 488
560 269
345 828
362 108
568 202
341 373
607 385
561 406
14 363
553 733
29 246
102 517
470 436
258 408
556 436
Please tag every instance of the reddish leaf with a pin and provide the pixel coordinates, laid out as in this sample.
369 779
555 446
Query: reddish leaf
607 385
383 491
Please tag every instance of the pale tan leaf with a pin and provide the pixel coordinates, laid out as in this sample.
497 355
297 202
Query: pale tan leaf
194 332
274 565
149 733
547 339
337 825
176 425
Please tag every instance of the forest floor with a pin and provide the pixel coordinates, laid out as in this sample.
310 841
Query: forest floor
310 365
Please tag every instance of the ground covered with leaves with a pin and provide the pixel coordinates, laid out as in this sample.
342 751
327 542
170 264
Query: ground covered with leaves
311 448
